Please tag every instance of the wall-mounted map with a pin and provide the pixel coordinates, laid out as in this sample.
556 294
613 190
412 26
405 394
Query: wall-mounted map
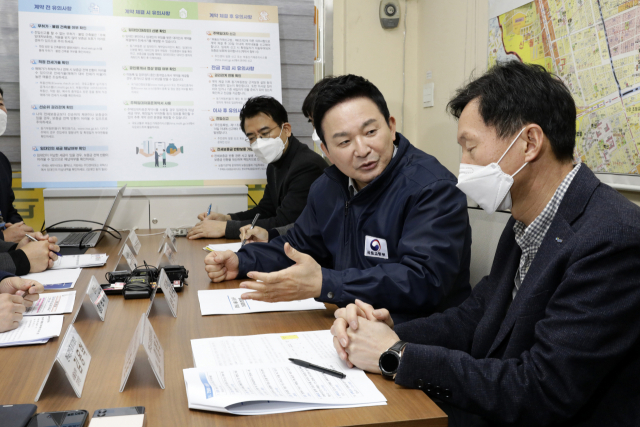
594 47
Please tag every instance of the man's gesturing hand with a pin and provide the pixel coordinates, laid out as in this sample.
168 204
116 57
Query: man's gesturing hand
221 266
300 281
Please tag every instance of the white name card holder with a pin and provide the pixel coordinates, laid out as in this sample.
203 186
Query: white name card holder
134 242
99 300
144 335
169 292
152 298
127 260
169 237
167 256
74 359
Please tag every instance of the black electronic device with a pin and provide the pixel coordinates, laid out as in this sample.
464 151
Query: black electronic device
116 282
117 276
16 415
115 417
176 275
137 287
60 419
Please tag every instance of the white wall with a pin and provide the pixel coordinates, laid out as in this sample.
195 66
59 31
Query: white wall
446 37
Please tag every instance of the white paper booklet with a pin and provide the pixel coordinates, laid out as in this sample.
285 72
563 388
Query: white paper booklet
75 261
33 330
56 279
56 303
228 301
252 375
223 247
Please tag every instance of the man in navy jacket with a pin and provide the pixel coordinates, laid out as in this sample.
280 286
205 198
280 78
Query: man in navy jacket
385 224
551 337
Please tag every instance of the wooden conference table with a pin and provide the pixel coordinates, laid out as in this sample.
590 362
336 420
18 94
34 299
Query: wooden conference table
22 369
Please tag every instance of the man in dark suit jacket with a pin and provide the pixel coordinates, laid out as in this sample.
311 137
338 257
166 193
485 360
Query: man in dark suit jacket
291 169
551 335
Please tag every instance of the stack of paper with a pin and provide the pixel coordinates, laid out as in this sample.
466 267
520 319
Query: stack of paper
223 247
252 375
75 261
56 279
228 301
55 303
32 330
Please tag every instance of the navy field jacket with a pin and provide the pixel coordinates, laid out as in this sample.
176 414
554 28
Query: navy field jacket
402 242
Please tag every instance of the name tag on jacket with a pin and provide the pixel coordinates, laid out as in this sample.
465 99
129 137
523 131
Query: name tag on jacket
375 247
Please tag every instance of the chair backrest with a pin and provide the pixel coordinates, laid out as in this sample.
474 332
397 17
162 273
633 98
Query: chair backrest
485 233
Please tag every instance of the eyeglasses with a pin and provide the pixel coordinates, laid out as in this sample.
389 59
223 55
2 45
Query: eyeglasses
263 134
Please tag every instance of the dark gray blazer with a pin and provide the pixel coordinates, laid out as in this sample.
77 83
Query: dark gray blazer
566 351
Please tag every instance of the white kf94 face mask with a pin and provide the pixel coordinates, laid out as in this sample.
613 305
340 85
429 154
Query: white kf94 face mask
488 185
268 150
3 122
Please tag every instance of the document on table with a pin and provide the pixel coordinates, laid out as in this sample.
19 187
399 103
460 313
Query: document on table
55 303
228 301
75 261
56 279
223 247
252 375
33 330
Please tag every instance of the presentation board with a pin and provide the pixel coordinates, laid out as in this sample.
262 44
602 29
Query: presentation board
142 92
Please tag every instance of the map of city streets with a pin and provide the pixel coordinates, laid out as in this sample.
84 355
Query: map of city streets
594 47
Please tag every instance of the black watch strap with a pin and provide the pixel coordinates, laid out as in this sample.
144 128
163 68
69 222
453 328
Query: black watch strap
397 347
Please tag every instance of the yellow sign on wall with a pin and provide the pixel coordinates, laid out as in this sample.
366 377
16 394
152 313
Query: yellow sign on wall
29 202
256 192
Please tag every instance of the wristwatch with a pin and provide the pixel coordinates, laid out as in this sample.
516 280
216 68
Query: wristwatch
390 360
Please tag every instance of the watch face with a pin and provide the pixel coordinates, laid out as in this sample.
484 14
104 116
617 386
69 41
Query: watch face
389 362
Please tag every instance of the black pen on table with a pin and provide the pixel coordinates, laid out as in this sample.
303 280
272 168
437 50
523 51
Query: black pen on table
253 224
33 239
318 368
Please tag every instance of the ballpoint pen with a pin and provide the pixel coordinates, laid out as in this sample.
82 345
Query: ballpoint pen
27 291
253 224
33 239
209 210
318 368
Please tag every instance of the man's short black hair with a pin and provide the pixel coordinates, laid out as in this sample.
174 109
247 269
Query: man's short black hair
263 104
1 92
344 88
309 101
512 95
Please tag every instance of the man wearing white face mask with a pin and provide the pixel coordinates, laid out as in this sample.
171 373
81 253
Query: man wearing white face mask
551 336
12 229
259 234
291 169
